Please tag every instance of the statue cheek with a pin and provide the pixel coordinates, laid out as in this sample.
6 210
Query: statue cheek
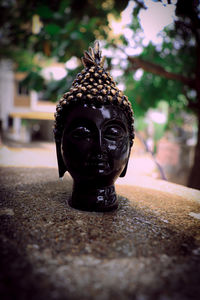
118 148
77 151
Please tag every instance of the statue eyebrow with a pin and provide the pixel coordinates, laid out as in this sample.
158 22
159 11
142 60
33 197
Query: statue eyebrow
79 122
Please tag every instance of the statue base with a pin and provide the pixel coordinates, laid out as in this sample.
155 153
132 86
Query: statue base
97 200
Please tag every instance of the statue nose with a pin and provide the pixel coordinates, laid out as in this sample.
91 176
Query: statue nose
100 147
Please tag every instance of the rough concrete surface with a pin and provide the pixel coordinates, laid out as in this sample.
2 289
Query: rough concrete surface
148 249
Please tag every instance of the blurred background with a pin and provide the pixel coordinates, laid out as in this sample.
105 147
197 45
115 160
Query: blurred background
152 50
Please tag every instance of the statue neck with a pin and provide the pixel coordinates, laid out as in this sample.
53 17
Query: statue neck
94 199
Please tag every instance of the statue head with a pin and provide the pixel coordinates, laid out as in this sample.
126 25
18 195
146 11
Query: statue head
94 134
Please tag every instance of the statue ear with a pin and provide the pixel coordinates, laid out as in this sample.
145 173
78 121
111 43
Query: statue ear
61 165
123 173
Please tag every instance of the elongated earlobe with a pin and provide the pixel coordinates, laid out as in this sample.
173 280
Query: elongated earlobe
61 165
123 173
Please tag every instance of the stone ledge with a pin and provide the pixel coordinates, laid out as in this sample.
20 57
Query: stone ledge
148 249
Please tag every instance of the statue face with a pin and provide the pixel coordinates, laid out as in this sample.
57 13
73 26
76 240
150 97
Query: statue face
95 144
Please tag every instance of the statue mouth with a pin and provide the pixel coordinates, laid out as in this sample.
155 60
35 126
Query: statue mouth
98 163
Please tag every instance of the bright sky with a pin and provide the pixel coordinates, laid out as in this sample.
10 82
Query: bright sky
153 20
157 16
53 73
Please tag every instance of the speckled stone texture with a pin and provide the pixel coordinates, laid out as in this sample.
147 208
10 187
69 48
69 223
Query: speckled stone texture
147 249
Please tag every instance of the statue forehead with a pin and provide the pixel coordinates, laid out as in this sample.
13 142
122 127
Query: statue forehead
97 115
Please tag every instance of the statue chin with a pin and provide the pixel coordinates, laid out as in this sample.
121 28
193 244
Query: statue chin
95 150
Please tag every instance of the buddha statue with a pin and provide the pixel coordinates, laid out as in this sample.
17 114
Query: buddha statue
94 134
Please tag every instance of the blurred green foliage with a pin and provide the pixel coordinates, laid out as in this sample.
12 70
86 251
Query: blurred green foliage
35 31
62 28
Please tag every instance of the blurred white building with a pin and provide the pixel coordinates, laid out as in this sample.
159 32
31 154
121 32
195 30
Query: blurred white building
22 114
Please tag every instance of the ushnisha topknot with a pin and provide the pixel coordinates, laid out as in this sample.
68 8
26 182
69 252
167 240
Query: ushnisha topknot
94 87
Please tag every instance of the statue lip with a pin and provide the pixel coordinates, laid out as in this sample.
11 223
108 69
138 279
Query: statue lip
97 162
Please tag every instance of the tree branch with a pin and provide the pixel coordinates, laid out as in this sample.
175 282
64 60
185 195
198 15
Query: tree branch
158 70
140 4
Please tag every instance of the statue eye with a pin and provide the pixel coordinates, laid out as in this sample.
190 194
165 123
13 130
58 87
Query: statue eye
81 133
114 132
